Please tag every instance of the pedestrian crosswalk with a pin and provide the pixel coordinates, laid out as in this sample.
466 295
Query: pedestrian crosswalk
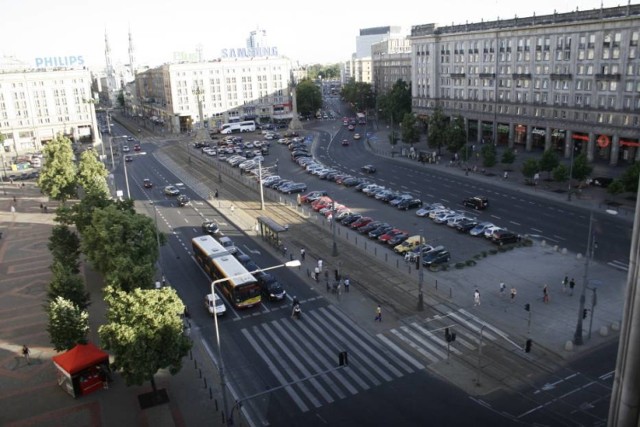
426 337
620 265
297 350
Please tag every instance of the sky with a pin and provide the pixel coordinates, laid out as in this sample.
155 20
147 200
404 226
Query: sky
309 32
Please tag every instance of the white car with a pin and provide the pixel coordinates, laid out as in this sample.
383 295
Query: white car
219 308
444 217
422 212
479 229
125 149
434 213
488 232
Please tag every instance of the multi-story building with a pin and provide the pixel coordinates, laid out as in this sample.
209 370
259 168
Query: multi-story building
37 105
567 81
359 67
243 88
391 61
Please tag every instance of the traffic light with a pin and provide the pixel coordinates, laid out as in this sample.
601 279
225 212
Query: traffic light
527 307
527 346
343 359
449 336
584 313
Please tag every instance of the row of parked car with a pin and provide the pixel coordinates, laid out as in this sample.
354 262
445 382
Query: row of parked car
464 223
380 231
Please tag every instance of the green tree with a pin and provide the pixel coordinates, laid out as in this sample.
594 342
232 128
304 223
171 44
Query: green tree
308 97
92 174
560 173
68 324
456 135
144 332
530 167
68 285
58 174
64 246
581 168
393 138
359 94
437 129
549 161
508 156
120 99
629 178
122 246
409 129
488 153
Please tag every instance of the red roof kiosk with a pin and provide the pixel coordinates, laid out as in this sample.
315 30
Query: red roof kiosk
82 370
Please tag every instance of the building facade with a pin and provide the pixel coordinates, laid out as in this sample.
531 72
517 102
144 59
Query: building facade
390 62
569 82
242 88
37 105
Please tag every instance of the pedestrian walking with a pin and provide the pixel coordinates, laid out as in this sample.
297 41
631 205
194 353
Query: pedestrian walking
302 254
503 289
565 284
320 265
347 283
545 294
506 175
378 314
316 273
26 353
336 275
476 297
572 284
215 195
513 294
41 207
298 199
326 276
232 208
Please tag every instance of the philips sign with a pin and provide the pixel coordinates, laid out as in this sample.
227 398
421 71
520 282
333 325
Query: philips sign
59 61
249 52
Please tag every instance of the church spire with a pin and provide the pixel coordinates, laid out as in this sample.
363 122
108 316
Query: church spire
132 58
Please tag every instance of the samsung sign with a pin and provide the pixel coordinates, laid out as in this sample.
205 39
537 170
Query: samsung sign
59 61
249 52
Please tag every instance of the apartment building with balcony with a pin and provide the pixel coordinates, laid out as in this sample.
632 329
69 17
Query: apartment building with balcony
565 81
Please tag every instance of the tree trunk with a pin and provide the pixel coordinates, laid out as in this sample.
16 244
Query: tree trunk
153 385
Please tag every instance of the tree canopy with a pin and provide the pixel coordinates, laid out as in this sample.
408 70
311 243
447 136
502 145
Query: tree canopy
92 174
308 97
58 174
456 135
437 129
409 129
122 246
359 94
396 103
68 324
144 332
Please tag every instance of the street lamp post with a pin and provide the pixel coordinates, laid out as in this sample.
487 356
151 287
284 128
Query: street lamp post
577 336
420 274
570 172
223 389
334 246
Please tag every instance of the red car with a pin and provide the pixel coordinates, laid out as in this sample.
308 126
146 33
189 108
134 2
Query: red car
312 197
136 147
321 203
361 222
391 234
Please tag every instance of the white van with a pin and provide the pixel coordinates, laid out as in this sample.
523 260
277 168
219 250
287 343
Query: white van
219 309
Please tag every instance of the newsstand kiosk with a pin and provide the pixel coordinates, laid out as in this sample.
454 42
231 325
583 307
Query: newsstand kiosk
82 370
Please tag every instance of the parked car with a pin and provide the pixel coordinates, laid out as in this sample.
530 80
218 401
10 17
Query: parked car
383 229
501 237
361 222
466 225
436 256
479 229
312 196
210 227
477 202
146 183
390 235
409 204
370 226
408 245
171 190
350 219
397 239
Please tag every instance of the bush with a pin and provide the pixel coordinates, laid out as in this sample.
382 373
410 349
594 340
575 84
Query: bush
460 265
470 262
493 251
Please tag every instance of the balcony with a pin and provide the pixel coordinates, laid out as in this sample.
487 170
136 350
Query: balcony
521 76
608 77
457 75
561 76
487 75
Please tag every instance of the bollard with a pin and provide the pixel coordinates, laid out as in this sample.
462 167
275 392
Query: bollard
199 373
205 382
211 395
222 417
195 363
190 355
450 292
436 284
216 403
308 273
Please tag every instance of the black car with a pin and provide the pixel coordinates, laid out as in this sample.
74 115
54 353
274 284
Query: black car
466 225
502 237
362 184
210 227
409 204
128 158
374 234
435 257
477 202
270 287
182 200
370 227
248 263
351 182
368 169
350 219
396 240
147 183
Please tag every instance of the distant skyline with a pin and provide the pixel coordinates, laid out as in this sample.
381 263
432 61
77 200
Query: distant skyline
322 32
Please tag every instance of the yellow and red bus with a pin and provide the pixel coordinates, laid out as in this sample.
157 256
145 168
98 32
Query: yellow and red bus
240 287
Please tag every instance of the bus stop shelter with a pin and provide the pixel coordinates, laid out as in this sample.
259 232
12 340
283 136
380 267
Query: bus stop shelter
270 230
